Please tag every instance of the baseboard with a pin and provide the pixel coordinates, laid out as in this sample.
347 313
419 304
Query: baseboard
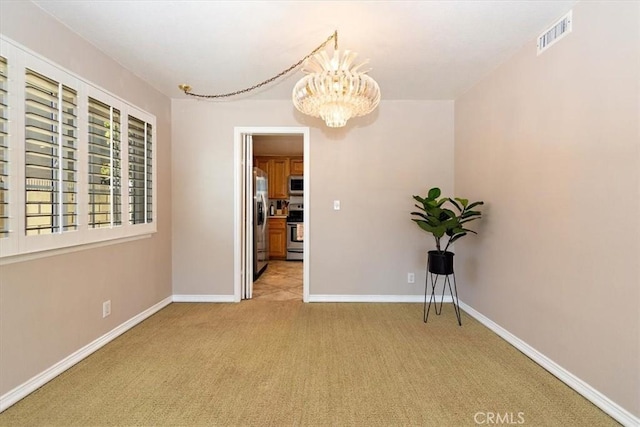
597 398
371 298
44 377
203 298
594 396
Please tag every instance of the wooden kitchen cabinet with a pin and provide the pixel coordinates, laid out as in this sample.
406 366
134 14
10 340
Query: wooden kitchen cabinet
277 169
279 178
296 166
262 163
277 238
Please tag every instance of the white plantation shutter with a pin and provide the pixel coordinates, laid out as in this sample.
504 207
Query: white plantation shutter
4 150
149 174
104 146
140 171
50 155
76 162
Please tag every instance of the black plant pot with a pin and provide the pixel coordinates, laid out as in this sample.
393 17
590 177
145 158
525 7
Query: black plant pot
441 262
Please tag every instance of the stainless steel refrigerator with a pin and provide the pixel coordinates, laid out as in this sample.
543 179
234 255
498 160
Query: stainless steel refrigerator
260 222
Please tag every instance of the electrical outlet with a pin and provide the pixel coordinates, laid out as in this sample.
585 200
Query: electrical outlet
411 278
106 308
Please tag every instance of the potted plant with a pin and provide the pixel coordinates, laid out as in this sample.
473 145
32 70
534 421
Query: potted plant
437 217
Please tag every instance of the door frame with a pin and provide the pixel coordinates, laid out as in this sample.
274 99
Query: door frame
240 221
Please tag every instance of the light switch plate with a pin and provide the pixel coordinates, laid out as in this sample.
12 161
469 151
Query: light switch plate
336 205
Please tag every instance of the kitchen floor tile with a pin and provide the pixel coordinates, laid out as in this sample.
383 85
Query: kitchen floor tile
281 281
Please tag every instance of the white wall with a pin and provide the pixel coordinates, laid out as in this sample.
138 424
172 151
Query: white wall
52 307
373 167
552 144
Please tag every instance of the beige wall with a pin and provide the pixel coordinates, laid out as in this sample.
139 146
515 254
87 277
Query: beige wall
373 167
52 306
556 262
551 143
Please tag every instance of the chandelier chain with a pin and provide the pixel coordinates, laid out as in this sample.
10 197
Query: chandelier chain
334 37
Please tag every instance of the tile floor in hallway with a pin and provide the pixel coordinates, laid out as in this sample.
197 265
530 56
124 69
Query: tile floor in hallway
281 281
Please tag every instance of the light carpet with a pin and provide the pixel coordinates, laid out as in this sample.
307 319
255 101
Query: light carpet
266 363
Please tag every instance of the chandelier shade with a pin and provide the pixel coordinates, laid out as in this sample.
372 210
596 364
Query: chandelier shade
334 89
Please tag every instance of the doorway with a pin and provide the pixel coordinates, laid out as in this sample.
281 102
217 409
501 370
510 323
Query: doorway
244 146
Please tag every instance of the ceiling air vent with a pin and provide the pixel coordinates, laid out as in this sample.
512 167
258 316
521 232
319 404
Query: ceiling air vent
554 33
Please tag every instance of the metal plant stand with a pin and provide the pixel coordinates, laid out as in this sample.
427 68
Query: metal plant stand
432 298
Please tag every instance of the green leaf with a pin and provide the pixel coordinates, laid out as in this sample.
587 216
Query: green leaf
452 231
422 224
456 237
420 214
468 220
434 193
431 203
453 202
474 204
468 214
449 213
463 202
451 223
426 227
443 217
438 231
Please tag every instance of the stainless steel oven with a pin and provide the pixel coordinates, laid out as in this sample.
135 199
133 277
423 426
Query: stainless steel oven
295 233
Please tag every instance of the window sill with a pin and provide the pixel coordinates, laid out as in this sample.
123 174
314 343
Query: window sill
12 259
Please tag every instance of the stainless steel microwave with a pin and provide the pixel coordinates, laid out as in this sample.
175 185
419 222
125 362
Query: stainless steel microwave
296 185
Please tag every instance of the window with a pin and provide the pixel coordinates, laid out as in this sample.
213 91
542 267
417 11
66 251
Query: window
51 122
4 151
104 165
140 172
64 147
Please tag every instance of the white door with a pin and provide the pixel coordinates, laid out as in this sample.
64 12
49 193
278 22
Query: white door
247 210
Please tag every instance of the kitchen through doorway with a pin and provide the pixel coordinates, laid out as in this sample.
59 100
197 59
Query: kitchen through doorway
272 221
282 158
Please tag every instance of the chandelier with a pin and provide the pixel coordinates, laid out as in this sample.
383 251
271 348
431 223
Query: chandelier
334 88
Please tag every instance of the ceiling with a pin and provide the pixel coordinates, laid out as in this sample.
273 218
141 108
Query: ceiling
278 145
417 49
